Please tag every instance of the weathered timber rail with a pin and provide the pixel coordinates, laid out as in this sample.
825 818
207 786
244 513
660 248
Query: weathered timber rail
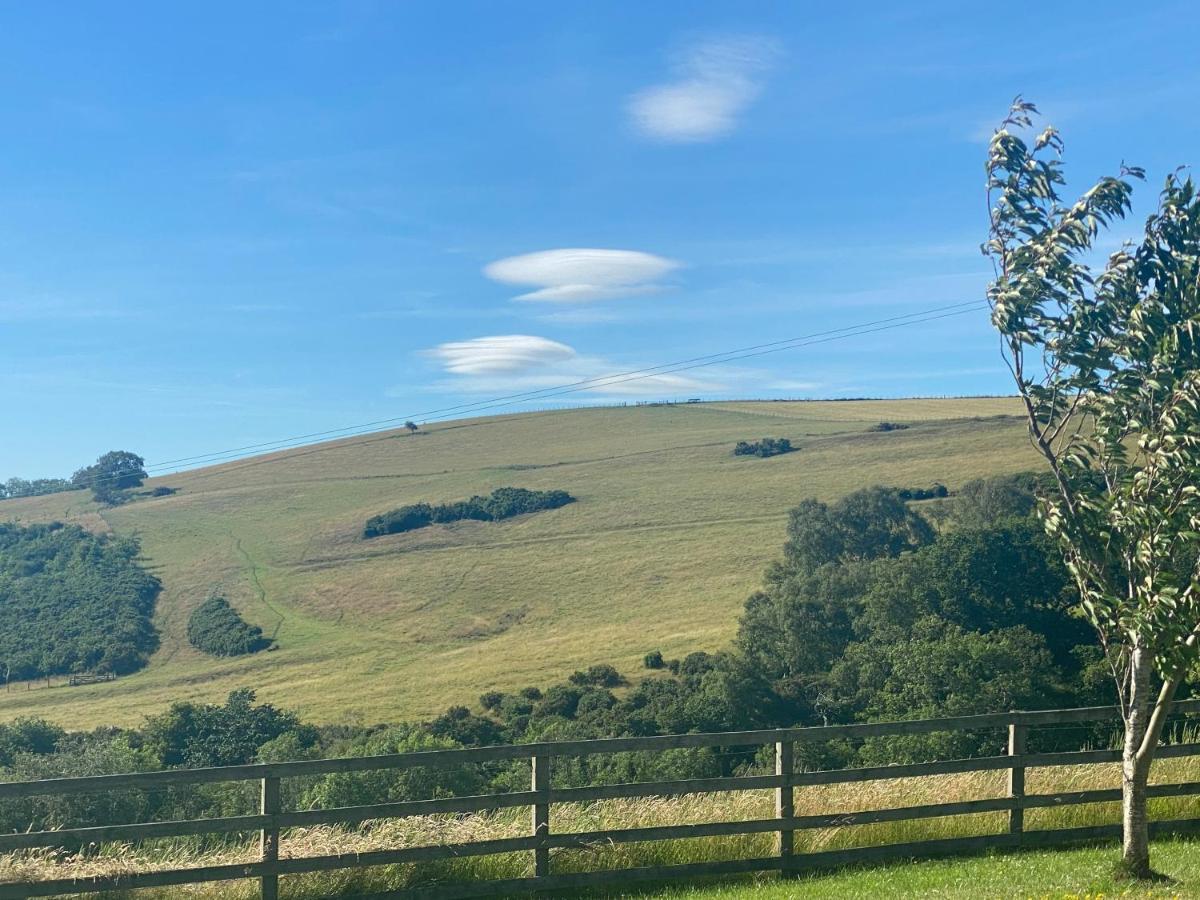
271 819
86 678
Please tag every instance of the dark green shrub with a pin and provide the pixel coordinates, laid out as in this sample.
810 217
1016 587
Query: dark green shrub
491 699
502 503
460 725
601 675
888 426
28 736
929 493
206 734
653 660
72 601
594 701
765 447
560 700
216 628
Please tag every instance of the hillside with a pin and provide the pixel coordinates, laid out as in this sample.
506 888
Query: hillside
669 535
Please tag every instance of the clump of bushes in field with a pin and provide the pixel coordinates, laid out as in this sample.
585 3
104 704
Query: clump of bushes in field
216 628
502 503
71 602
601 675
765 447
888 426
930 493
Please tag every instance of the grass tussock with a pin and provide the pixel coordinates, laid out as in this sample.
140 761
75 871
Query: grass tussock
607 815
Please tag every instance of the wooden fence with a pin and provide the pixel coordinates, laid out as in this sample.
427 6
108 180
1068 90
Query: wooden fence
81 679
542 796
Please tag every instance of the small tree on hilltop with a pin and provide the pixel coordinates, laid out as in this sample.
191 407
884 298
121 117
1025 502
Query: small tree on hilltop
112 474
412 427
1108 367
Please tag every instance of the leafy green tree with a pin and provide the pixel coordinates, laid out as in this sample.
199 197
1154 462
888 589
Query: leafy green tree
374 786
980 579
111 475
197 735
1108 365
797 627
942 669
984 501
868 524
28 736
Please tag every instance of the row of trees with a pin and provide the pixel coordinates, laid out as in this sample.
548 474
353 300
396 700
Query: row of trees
110 479
22 487
502 503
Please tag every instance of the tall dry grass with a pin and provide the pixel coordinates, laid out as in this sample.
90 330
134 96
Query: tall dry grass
615 814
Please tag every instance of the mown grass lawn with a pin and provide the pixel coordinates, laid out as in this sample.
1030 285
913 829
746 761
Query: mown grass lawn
1051 874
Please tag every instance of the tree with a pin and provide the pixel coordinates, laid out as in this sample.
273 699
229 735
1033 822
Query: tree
412 427
111 474
204 734
940 669
1108 367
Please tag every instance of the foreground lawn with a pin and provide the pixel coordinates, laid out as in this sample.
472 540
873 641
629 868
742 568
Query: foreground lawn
1080 873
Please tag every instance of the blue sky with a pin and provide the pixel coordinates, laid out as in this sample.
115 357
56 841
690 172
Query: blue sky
226 223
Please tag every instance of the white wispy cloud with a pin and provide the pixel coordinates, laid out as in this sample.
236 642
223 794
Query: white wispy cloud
582 275
37 309
715 81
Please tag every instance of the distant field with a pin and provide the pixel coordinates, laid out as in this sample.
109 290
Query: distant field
670 534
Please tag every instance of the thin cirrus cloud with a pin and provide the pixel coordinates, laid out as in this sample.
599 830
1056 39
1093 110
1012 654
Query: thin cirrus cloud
715 81
523 362
582 275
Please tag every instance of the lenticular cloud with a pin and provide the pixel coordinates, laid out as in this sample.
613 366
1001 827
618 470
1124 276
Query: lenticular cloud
580 275
501 354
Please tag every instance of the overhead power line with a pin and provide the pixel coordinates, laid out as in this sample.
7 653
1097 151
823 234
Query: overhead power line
366 429
585 384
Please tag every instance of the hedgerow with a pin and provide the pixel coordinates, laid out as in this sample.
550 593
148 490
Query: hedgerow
502 503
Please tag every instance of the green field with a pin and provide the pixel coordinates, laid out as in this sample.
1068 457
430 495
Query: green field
1085 874
670 534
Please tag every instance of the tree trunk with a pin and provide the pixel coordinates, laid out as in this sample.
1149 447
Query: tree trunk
1145 716
1135 769
1135 826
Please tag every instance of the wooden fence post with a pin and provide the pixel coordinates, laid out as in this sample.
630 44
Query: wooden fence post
541 814
1016 775
269 838
785 809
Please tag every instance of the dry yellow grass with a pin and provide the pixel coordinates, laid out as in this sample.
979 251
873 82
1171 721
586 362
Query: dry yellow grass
630 813
670 534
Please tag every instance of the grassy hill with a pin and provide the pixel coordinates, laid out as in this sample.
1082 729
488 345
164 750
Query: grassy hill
670 534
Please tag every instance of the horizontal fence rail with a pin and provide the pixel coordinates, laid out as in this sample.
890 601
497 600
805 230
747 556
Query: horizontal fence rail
272 821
